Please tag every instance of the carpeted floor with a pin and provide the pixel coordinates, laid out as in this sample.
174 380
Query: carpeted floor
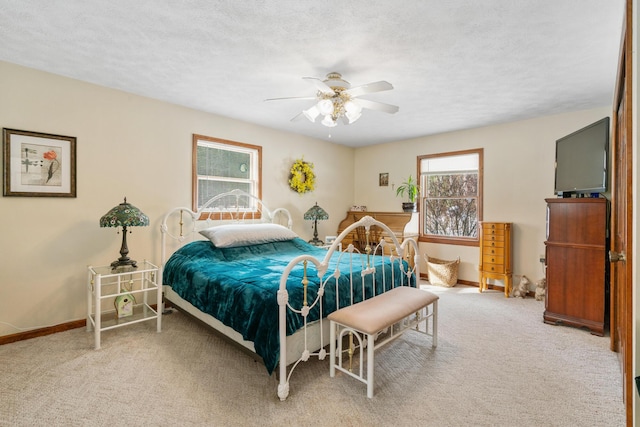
497 364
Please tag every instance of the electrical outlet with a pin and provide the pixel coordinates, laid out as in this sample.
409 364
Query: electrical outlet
542 259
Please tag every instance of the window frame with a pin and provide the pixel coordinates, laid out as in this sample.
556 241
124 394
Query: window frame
453 240
225 142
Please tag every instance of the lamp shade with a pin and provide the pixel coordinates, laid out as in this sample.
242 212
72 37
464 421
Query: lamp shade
352 117
316 212
325 107
352 107
312 113
328 121
124 215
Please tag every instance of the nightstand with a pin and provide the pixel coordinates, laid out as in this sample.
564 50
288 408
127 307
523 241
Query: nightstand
329 241
328 245
120 297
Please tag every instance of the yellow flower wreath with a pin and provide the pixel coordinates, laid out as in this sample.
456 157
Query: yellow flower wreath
301 177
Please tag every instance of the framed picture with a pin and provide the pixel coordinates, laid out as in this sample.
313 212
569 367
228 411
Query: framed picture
384 180
38 164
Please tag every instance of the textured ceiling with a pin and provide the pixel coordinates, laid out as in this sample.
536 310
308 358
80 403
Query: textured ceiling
454 64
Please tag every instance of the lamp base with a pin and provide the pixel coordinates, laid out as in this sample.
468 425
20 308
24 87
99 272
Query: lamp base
124 260
119 263
316 242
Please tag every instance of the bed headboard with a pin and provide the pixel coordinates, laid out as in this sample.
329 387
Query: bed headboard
181 225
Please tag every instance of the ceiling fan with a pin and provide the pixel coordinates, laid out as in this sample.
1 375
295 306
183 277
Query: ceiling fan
336 99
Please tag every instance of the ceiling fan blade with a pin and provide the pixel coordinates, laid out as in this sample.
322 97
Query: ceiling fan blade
320 85
378 106
297 117
291 97
369 88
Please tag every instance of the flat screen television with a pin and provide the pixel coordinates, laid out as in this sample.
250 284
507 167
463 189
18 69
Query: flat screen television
582 160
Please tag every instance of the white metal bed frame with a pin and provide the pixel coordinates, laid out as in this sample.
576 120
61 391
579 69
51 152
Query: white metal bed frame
240 207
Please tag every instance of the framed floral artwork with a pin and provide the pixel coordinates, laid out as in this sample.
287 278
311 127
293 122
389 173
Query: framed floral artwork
38 164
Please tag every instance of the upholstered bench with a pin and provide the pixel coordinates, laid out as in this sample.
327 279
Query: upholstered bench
387 315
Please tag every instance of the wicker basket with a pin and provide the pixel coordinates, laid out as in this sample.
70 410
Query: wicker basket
442 272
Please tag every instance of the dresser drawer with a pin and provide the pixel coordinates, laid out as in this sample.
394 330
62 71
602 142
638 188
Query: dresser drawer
493 238
493 268
492 250
493 226
493 244
493 259
490 231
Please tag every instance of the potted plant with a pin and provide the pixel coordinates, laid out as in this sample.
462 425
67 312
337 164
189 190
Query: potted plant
410 187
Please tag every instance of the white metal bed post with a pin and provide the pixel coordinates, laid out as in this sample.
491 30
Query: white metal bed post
283 299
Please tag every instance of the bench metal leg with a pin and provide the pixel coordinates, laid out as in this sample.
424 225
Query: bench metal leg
434 323
370 351
332 348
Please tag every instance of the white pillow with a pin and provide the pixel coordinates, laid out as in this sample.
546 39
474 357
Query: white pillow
232 235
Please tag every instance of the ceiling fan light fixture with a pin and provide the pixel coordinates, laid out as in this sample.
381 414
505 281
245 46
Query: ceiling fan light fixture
352 117
328 121
311 114
325 107
352 107
352 110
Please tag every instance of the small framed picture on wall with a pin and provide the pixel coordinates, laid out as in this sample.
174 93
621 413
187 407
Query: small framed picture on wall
384 179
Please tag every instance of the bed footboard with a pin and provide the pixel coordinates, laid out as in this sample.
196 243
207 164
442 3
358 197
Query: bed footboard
340 279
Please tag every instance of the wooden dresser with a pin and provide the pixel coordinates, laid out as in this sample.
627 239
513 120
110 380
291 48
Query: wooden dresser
495 254
576 257
403 224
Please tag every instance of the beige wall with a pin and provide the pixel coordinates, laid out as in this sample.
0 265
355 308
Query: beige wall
126 146
518 175
141 148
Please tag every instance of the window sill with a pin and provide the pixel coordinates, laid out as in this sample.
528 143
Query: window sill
460 241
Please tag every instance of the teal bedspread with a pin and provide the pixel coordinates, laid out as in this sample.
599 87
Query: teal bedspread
239 286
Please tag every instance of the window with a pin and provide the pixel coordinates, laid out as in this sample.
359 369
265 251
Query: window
451 197
220 166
